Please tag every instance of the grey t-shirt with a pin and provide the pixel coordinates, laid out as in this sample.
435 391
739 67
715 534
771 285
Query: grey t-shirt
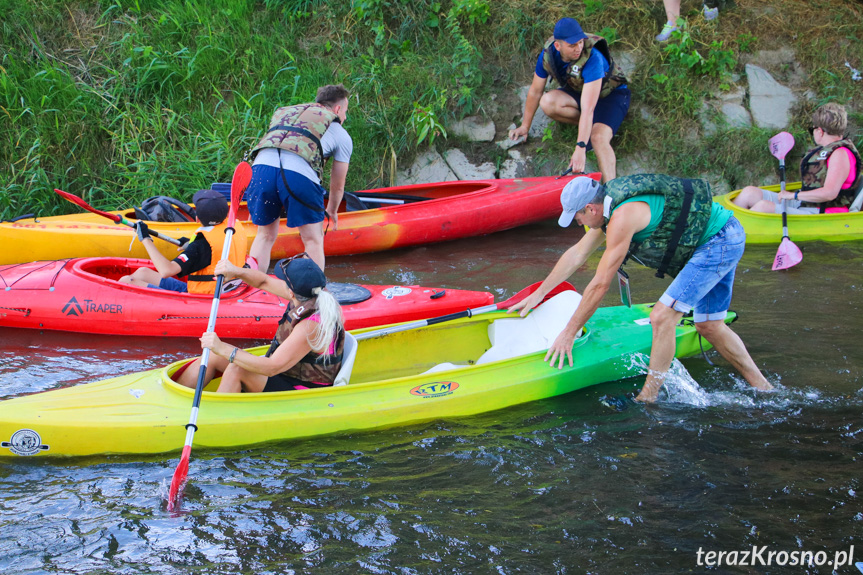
336 142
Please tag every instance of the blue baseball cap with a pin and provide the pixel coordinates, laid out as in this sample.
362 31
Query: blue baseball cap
301 274
568 30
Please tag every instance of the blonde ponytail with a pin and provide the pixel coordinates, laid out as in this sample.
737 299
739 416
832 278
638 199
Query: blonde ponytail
331 320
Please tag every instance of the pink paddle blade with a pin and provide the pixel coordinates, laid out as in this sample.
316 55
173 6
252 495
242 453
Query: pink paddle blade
788 255
781 144
179 477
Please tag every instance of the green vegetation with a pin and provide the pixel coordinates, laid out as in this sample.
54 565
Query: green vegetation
118 100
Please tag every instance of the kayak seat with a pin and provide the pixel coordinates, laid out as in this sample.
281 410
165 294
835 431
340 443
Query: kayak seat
512 337
349 355
857 204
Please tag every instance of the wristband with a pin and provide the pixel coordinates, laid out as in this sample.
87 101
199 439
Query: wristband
581 145
795 195
233 355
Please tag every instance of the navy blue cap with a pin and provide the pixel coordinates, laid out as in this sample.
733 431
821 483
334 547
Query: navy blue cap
301 274
568 30
210 207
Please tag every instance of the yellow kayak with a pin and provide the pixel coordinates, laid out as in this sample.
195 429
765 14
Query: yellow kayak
767 228
449 369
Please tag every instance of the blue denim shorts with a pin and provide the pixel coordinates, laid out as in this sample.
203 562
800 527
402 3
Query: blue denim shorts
609 110
705 282
171 284
267 195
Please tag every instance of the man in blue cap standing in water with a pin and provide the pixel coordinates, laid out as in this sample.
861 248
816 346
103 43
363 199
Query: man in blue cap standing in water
672 225
591 94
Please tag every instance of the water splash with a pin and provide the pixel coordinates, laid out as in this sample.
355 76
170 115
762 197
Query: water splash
679 387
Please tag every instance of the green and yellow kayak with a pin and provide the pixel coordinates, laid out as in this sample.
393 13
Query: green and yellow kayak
450 369
767 228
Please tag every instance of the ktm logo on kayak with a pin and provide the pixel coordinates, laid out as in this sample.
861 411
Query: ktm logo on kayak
436 389
72 307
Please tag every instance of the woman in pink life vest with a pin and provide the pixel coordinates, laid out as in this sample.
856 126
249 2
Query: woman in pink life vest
306 352
829 172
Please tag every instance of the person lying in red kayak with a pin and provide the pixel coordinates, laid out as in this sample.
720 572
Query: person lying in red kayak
830 172
307 349
198 260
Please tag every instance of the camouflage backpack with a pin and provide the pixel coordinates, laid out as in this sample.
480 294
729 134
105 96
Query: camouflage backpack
299 129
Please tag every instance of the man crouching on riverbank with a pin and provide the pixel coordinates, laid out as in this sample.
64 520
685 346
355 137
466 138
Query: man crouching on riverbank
669 224
592 93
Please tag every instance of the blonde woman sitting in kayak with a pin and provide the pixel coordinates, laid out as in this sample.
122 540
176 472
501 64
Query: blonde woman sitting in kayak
830 172
307 349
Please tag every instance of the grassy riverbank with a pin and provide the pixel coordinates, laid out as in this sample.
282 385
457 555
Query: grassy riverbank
118 101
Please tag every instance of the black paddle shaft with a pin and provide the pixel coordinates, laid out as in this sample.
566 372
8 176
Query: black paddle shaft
782 188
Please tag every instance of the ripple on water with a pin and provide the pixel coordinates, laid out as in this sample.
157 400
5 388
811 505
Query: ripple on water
576 483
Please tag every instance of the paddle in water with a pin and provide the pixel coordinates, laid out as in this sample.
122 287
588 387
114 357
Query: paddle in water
788 254
239 183
565 286
116 218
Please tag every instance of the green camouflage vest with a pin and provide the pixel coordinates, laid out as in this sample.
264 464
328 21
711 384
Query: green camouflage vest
299 129
312 367
614 78
813 174
688 204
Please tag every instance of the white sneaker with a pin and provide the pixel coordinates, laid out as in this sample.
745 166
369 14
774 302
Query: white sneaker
710 13
665 34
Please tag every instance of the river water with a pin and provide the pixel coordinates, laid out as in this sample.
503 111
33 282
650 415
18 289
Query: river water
589 482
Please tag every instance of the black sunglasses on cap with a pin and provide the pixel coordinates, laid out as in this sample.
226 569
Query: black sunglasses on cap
283 265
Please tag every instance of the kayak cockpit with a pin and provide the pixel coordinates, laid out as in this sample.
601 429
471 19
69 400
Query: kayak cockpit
111 269
468 343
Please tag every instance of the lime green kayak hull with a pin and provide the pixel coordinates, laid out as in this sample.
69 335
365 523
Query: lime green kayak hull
767 228
146 412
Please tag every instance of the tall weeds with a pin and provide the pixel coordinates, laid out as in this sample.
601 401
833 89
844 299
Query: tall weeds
118 100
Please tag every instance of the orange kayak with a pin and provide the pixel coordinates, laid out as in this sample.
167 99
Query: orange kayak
426 213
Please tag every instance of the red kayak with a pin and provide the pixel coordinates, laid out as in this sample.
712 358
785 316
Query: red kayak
377 220
83 295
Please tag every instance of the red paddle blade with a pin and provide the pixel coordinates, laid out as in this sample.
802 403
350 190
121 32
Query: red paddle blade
239 183
82 204
781 144
179 477
788 255
562 287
